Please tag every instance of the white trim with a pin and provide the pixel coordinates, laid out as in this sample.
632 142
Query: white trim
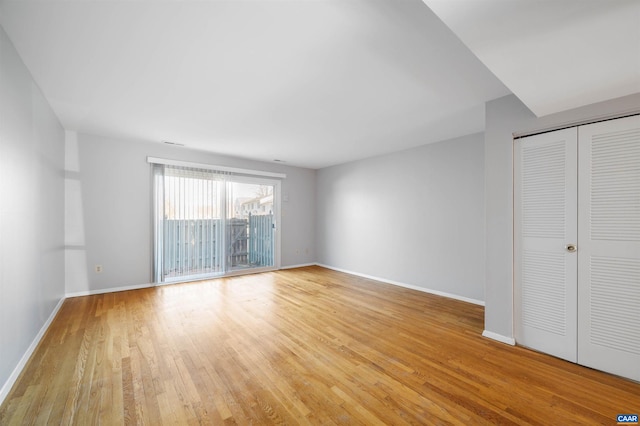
413 287
6 388
277 210
109 290
155 160
499 337
301 265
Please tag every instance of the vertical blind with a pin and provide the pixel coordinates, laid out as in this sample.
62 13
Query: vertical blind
189 215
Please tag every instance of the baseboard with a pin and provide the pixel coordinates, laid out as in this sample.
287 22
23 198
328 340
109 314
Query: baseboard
499 337
412 287
6 388
110 290
302 265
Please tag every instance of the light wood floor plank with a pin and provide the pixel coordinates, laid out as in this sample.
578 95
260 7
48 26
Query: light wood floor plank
305 346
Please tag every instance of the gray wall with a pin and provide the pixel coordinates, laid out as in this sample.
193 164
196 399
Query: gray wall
109 209
415 217
504 117
31 210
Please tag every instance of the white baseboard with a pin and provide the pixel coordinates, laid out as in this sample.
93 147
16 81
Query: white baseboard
302 265
499 337
413 287
110 290
6 387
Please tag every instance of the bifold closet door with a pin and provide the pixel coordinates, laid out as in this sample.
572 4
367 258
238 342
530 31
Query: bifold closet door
545 268
609 246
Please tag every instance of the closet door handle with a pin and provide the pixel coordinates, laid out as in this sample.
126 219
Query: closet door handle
571 248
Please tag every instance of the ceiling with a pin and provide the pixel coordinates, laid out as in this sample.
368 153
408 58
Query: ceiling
554 55
310 82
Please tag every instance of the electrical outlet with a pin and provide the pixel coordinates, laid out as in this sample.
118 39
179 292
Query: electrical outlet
98 269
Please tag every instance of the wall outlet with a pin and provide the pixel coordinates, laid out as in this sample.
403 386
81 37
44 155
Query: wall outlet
98 269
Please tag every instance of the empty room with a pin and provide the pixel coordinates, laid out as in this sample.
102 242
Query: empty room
319 212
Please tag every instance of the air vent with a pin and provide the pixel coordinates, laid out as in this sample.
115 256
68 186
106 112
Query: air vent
173 143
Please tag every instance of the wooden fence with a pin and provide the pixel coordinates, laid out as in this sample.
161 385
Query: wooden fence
194 246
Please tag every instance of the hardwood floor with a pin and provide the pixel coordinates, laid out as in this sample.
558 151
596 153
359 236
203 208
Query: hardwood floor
304 346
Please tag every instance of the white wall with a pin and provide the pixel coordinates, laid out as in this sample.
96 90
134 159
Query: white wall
109 209
504 117
415 217
31 211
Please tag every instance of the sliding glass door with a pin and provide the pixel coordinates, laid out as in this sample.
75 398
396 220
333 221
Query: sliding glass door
250 225
213 224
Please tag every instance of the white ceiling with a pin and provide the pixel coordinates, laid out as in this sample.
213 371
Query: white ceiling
554 55
310 82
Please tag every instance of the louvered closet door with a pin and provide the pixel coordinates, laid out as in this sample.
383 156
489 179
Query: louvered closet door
545 273
609 247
